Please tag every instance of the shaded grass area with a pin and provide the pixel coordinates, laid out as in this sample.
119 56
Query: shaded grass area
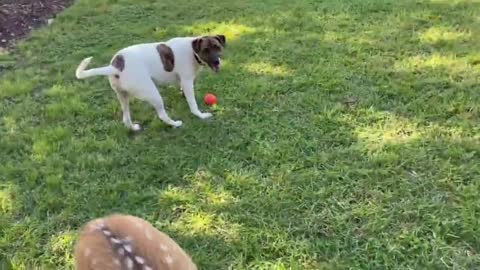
347 136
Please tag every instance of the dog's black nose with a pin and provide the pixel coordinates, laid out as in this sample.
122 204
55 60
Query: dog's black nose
216 62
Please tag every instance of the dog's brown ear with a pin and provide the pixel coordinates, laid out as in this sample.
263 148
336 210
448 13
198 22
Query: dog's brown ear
221 39
168 59
197 45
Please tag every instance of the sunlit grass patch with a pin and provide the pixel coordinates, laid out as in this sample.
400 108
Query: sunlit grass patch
232 31
390 130
7 193
450 63
262 68
444 34
16 84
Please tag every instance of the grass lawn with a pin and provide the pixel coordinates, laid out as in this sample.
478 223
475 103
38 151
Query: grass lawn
347 135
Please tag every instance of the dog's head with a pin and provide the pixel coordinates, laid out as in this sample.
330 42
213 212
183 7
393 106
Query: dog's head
209 50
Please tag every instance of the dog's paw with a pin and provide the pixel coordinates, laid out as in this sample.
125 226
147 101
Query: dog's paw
205 115
177 124
136 127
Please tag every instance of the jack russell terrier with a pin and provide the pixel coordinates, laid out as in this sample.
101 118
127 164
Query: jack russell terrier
122 242
134 70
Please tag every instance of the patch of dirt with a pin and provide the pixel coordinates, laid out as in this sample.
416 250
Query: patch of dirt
19 17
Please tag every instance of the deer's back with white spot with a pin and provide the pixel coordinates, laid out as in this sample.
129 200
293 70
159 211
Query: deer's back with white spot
121 242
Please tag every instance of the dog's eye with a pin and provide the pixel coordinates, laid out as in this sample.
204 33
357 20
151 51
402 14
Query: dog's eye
206 50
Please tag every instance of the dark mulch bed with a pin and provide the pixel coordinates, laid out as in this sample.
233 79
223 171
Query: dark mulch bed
19 17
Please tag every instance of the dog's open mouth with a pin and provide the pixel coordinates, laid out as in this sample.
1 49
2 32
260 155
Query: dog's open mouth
215 66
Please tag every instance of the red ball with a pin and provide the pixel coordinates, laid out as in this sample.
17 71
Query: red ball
210 99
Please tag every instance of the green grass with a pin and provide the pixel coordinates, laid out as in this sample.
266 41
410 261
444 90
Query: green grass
347 136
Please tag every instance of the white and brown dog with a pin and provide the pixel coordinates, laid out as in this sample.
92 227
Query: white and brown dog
134 71
121 242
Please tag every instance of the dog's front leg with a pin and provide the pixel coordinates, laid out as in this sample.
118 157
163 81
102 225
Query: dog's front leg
188 91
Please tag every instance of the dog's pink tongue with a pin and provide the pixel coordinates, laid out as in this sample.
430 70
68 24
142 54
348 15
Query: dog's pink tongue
216 66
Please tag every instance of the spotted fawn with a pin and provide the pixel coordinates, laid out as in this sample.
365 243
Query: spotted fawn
121 242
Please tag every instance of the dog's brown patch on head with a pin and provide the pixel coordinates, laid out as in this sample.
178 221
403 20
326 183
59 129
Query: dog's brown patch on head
168 59
208 43
119 62
209 48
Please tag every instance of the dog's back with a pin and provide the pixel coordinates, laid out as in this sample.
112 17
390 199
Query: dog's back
120 242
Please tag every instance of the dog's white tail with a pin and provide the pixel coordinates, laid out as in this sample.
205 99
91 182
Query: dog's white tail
81 73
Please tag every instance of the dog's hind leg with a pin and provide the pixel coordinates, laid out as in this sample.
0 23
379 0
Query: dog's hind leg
150 94
123 98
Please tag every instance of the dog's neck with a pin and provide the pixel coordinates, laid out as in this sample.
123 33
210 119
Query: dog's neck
198 59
